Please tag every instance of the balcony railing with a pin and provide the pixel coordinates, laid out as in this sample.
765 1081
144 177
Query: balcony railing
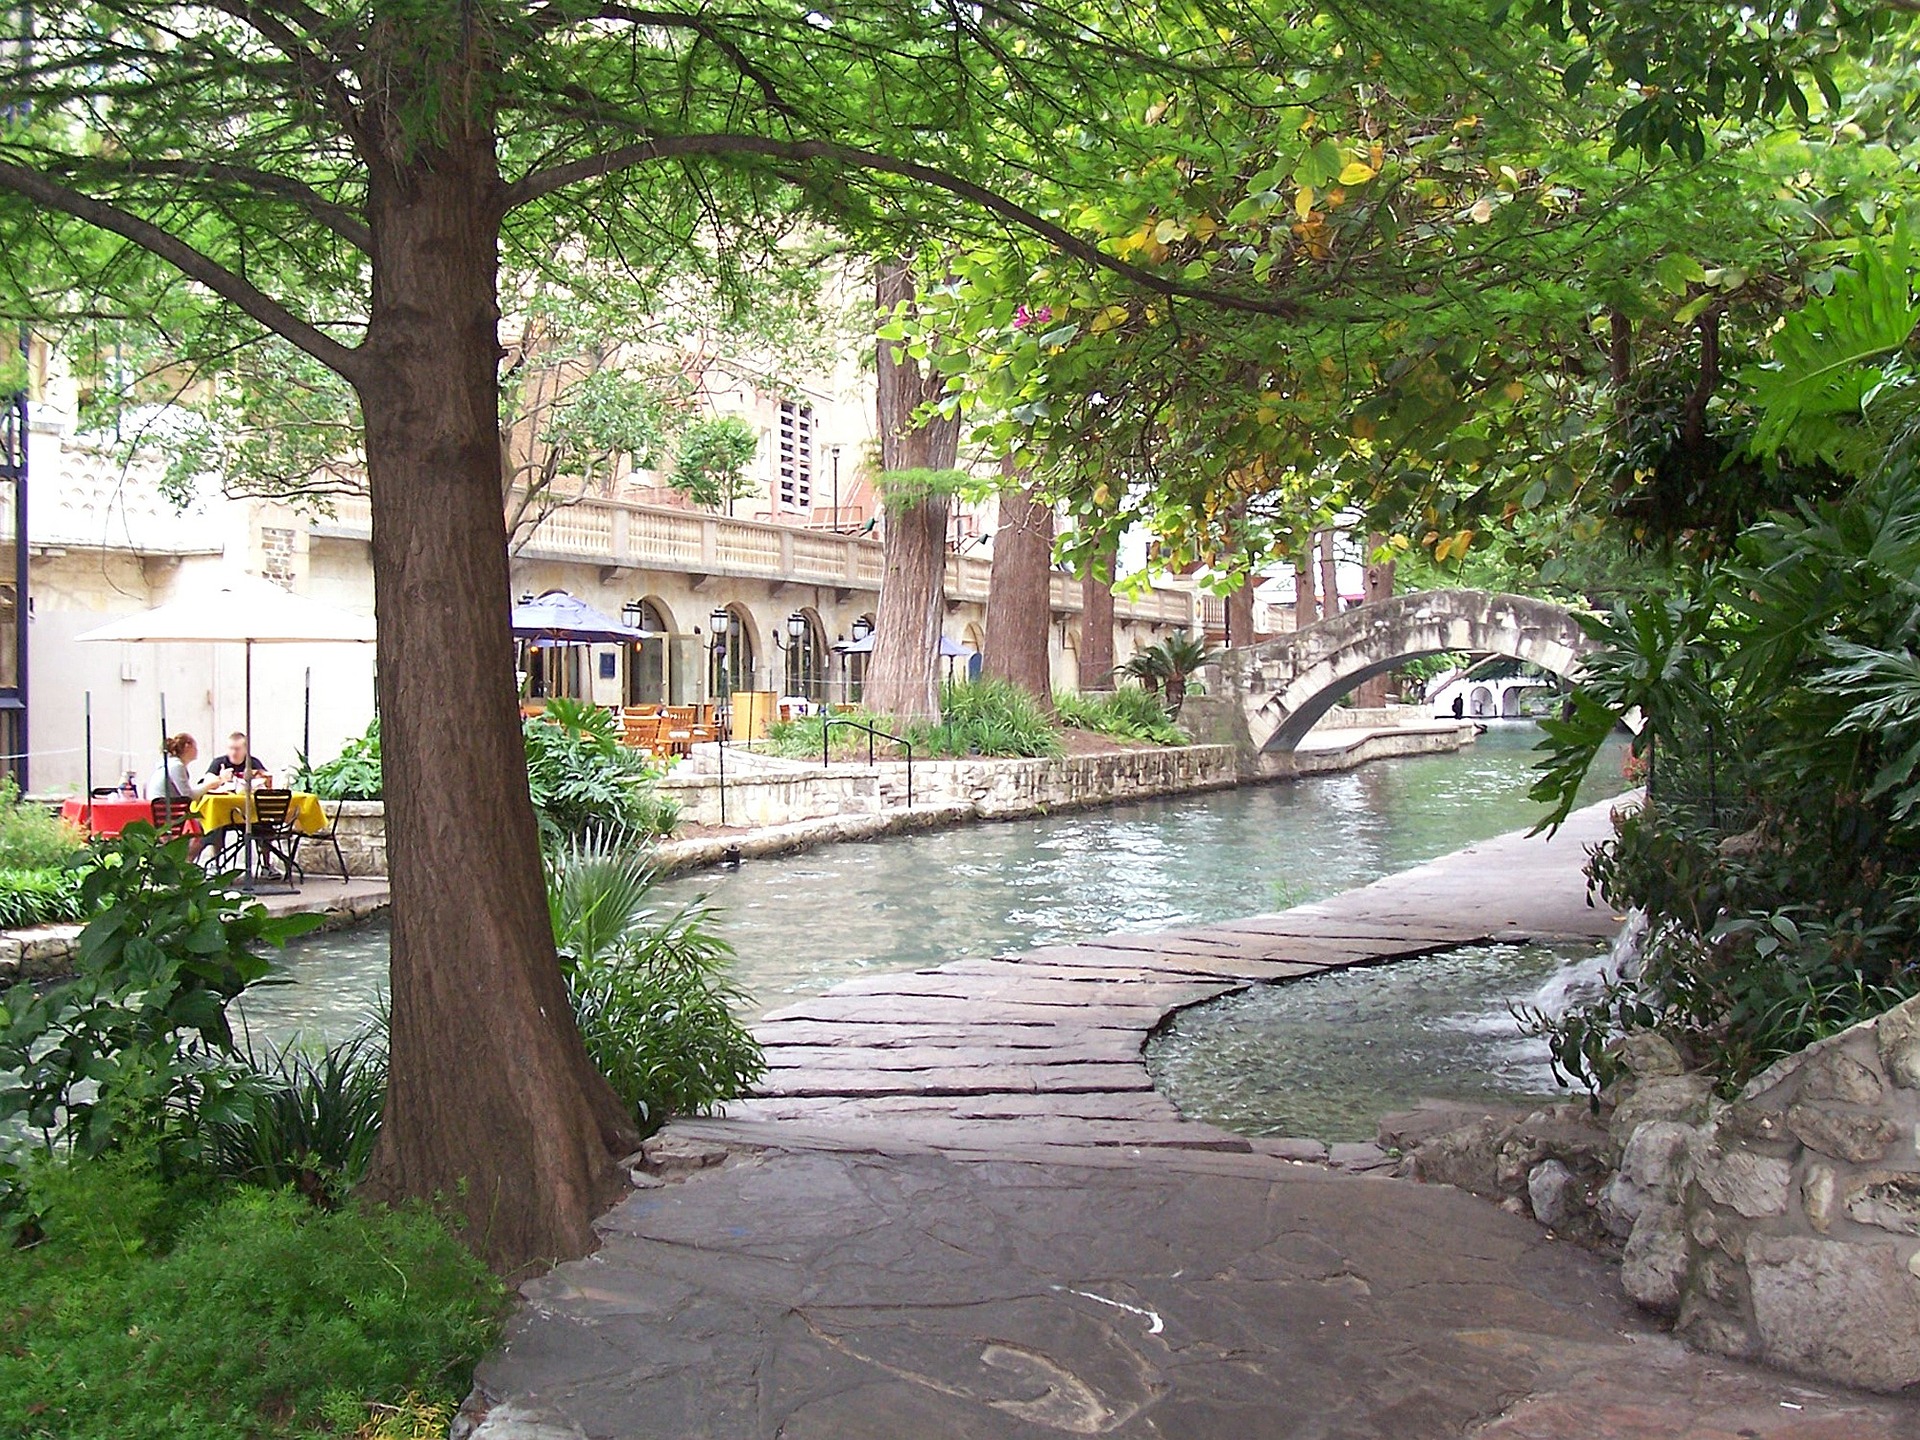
650 537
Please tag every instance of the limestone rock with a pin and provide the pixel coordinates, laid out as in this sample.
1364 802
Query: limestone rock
1655 1262
1714 1307
1647 1055
1819 1192
1897 1033
1467 1157
1844 1312
1653 1171
513 1420
1551 1192
1836 1075
667 1152
1844 1135
1684 1099
1886 1200
1754 1185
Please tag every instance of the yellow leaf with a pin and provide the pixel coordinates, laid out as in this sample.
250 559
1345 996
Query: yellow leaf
1203 227
1482 210
1167 231
1357 172
1303 202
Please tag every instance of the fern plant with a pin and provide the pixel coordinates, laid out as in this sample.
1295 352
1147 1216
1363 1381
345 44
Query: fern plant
1841 377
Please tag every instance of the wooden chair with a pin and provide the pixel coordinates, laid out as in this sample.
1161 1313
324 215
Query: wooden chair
641 712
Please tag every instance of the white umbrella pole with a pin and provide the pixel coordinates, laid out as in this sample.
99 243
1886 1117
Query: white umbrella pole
246 770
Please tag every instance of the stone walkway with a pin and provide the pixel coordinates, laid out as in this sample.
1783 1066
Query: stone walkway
959 1209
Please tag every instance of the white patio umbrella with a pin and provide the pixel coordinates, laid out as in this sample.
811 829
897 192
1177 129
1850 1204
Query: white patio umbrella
239 610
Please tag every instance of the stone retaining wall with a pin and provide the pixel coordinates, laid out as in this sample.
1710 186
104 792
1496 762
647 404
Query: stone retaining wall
998 789
1785 1227
758 797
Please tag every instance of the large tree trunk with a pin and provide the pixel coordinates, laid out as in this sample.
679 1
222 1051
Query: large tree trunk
1329 577
1096 624
1305 609
493 1107
1240 615
1020 595
903 678
1379 586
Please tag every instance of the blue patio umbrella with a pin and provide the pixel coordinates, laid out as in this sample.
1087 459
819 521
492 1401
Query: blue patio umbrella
557 618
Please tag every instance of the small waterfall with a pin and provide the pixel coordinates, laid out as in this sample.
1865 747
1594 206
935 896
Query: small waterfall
1585 980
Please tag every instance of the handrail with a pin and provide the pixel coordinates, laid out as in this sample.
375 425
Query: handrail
873 732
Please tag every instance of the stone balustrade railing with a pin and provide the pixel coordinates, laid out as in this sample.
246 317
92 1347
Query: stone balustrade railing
617 533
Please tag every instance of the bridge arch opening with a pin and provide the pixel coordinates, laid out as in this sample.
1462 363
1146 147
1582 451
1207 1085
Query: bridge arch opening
1284 686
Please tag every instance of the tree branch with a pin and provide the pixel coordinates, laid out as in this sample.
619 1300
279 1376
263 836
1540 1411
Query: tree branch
336 217
194 264
671 147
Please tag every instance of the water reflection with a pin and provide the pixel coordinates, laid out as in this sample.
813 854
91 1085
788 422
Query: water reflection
803 923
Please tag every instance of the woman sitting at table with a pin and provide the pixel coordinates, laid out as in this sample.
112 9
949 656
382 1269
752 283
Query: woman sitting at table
171 778
231 770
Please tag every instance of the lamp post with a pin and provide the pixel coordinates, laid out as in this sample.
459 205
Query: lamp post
721 621
860 630
796 636
833 453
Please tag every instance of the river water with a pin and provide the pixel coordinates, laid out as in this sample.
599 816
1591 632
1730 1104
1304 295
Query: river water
801 924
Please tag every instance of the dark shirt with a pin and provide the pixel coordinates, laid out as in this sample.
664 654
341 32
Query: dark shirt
225 766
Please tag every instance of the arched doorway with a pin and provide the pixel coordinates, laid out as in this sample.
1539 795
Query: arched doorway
649 661
805 670
730 663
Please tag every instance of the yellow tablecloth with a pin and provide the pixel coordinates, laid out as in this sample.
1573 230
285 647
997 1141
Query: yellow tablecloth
215 811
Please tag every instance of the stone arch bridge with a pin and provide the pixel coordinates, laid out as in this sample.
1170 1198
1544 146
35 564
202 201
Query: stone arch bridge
1263 698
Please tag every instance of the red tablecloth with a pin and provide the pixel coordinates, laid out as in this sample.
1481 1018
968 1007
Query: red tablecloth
110 813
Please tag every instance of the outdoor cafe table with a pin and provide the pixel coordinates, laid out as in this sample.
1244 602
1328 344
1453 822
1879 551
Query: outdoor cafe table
224 808
104 814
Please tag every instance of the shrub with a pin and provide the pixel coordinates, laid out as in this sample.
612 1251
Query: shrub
39 897
649 990
135 1051
1128 713
154 1310
32 837
981 717
1777 856
353 774
584 781
311 1120
581 777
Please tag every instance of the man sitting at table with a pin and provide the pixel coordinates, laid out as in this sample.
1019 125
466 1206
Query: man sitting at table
229 772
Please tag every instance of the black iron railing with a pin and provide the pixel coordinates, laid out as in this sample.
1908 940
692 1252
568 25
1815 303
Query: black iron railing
873 733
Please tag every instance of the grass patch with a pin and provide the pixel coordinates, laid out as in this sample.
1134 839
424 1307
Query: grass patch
45 896
981 717
32 837
185 1313
1128 713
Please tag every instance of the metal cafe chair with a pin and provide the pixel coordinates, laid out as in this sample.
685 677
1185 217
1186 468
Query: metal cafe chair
331 835
273 833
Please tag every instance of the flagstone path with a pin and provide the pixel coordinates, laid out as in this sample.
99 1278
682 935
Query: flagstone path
958 1208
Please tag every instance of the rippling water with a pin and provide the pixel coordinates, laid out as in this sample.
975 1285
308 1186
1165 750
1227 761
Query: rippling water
803 923
1328 1057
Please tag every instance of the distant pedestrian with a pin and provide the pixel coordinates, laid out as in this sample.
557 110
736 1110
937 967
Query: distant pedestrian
1459 707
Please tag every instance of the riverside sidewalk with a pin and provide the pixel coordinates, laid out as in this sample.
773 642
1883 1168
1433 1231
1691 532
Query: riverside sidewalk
960 1210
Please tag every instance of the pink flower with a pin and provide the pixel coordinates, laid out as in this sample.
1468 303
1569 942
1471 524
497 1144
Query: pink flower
1023 317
